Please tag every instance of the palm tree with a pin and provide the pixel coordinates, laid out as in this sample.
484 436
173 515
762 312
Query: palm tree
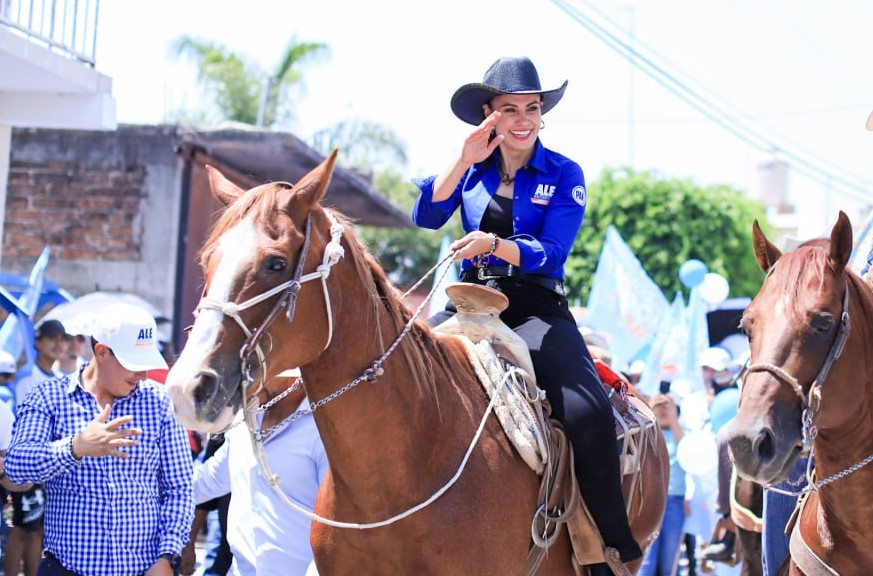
244 92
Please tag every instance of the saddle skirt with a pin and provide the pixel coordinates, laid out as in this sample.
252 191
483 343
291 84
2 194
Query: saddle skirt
519 405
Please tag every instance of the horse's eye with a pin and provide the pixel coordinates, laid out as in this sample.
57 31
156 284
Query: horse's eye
822 323
276 264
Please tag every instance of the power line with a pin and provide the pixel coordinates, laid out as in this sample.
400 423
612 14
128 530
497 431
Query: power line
851 186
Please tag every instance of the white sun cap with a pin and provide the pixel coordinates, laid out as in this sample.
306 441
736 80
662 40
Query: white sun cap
716 358
7 363
132 335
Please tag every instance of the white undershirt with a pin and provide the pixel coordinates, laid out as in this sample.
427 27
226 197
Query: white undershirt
265 535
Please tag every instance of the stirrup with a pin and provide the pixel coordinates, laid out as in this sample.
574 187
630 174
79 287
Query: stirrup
613 560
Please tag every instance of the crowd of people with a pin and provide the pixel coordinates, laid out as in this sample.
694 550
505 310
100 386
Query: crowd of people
92 441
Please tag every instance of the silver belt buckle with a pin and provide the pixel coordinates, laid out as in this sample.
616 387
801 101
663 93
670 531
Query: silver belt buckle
480 273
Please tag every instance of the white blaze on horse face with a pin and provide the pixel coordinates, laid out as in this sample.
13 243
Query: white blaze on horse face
782 306
233 253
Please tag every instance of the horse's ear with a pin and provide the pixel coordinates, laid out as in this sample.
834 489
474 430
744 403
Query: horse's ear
311 188
222 188
765 252
841 242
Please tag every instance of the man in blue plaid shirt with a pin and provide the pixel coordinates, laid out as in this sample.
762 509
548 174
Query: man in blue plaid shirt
115 462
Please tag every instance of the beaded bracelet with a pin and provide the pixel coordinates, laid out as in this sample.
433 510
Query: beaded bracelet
495 241
481 260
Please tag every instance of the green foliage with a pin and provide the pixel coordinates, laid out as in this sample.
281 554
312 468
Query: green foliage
239 86
666 222
362 144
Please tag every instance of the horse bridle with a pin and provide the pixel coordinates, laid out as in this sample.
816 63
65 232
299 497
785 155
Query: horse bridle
811 402
288 297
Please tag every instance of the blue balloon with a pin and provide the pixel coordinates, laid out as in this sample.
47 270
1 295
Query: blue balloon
692 272
723 408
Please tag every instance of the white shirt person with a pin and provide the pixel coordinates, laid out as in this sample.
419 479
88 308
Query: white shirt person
265 535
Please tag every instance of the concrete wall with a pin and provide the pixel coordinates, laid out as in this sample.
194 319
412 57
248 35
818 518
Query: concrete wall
106 202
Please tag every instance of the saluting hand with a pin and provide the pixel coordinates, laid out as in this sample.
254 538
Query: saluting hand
102 438
477 146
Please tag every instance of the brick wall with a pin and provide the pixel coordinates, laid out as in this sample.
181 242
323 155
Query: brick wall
84 212
107 204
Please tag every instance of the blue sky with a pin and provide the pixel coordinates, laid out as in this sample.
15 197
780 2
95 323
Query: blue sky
793 72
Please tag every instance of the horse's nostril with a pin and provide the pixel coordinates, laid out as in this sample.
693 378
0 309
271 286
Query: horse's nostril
764 446
205 390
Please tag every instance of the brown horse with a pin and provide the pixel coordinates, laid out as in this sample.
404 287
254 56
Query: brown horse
810 386
398 407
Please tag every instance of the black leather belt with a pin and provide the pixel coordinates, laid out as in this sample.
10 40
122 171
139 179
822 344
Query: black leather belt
510 271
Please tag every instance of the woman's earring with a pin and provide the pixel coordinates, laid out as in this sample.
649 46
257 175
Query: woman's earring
542 124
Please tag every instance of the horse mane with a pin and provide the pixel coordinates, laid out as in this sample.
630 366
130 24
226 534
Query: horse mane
422 347
865 296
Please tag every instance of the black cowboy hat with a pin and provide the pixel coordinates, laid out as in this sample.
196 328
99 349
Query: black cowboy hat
506 76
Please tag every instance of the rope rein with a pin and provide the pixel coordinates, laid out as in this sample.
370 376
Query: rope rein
274 479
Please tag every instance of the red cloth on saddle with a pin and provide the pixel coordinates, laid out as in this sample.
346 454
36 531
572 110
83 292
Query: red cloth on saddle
609 376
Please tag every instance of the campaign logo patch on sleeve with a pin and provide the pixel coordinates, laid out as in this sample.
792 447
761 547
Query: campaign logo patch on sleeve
579 195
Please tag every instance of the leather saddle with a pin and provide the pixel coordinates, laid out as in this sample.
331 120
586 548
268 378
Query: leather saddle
478 319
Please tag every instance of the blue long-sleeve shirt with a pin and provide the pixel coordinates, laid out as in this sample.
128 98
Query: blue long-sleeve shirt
547 207
105 516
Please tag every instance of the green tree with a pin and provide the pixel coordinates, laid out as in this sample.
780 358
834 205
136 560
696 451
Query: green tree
243 91
666 222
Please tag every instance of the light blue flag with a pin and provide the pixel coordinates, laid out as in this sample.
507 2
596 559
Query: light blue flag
698 339
29 298
13 338
16 333
439 299
667 357
625 305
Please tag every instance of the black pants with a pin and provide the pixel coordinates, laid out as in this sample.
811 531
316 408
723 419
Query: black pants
565 370
51 566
